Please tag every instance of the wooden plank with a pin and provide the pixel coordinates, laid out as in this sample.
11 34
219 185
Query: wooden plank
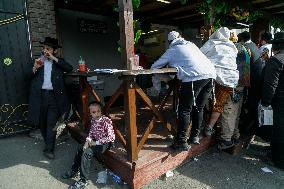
150 71
120 136
156 112
146 134
85 101
113 98
130 121
146 99
126 31
90 88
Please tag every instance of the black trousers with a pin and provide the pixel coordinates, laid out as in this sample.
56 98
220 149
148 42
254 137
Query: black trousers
201 89
49 115
82 160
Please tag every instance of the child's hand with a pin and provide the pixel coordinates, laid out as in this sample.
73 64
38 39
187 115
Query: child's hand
72 124
86 145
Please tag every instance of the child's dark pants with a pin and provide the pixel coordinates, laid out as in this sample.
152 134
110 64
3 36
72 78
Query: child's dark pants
83 159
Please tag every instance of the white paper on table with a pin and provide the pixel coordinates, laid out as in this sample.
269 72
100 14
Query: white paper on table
266 170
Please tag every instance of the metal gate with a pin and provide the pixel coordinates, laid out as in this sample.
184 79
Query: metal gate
14 55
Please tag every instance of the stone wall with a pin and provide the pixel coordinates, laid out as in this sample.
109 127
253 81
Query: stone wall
42 22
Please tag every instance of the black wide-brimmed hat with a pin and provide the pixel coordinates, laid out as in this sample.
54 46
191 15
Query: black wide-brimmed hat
52 42
278 38
266 36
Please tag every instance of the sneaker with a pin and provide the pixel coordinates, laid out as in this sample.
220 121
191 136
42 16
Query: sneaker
69 174
49 154
224 144
236 141
80 184
195 140
209 131
180 146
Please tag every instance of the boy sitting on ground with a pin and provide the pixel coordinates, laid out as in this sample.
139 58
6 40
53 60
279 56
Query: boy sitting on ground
100 138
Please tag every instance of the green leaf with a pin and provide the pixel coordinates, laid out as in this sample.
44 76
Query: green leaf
209 1
137 36
136 4
183 2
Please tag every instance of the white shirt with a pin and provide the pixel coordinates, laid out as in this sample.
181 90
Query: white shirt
191 63
47 75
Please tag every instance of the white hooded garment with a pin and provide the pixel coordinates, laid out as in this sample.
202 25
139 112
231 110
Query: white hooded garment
191 63
222 53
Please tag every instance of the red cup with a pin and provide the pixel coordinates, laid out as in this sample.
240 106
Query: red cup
82 67
39 62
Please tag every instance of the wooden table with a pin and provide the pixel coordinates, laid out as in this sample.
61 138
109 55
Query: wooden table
129 89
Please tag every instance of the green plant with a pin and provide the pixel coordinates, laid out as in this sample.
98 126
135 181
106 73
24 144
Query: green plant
136 4
277 23
136 24
183 2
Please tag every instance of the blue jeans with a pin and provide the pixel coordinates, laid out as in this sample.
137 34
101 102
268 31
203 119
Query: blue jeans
82 160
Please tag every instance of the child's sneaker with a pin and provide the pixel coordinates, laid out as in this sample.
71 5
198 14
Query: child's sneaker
224 144
80 184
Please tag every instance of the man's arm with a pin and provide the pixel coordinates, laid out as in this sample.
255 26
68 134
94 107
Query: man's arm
163 60
271 78
31 69
65 66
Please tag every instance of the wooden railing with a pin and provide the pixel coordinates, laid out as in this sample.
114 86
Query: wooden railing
130 90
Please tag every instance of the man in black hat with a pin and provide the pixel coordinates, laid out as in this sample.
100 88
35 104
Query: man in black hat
272 94
48 99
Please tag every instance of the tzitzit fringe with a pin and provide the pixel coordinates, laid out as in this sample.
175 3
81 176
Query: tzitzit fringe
11 20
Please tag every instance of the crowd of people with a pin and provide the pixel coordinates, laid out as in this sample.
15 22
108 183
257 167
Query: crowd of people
234 73
237 77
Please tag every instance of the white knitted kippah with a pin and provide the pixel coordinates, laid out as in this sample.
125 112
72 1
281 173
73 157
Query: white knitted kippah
173 35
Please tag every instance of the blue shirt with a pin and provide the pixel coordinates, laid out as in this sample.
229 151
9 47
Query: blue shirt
47 75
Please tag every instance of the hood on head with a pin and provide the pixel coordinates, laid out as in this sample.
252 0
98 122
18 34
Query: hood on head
222 33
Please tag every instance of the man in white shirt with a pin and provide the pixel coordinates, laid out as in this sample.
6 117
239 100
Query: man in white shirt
196 73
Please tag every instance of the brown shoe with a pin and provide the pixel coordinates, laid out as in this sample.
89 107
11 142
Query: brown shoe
49 155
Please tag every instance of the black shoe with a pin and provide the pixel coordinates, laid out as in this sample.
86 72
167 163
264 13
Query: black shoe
194 140
224 144
49 154
180 146
236 141
80 184
69 174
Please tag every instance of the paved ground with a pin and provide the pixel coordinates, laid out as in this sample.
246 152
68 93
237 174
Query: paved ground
22 166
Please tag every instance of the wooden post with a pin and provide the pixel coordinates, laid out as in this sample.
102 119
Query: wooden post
130 120
209 24
85 101
126 31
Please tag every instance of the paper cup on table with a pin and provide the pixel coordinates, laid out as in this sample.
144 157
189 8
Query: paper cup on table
134 62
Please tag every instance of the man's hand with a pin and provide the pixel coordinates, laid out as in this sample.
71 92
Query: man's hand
50 56
37 65
72 124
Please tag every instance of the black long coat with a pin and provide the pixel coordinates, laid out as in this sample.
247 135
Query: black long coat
273 93
57 80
